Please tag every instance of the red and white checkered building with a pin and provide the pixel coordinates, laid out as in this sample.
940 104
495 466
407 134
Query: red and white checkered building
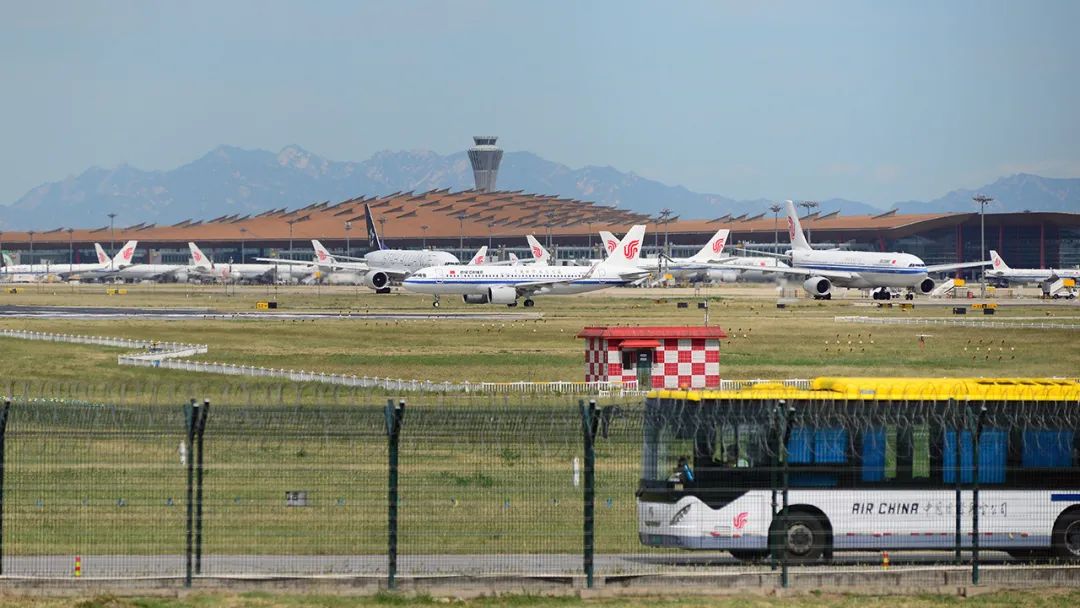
678 357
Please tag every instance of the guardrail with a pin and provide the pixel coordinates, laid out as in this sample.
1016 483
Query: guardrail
152 346
955 322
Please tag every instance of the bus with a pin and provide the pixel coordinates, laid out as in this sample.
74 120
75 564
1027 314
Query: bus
869 464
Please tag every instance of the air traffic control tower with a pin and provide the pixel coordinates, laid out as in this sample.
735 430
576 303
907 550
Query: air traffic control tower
485 157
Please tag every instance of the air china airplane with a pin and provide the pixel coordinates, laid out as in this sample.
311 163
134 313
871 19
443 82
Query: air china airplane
143 272
40 272
381 265
508 284
1004 274
541 256
879 271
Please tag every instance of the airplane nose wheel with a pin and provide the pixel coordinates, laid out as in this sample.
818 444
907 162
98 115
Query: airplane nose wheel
528 303
435 304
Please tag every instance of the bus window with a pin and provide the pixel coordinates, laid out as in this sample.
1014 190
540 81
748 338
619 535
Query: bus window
992 452
738 445
824 446
879 454
920 451
1046 448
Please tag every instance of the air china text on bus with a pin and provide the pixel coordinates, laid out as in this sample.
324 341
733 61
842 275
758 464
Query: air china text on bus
871 465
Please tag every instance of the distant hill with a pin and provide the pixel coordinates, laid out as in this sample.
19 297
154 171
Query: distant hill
230 180
1020 192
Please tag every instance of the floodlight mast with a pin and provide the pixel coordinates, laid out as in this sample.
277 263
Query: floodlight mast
982 201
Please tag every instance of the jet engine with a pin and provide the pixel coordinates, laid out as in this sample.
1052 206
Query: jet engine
722 276
926 286
502 295
819 287
376 280
475 298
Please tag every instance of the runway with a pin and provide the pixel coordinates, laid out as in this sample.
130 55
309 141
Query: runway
208 314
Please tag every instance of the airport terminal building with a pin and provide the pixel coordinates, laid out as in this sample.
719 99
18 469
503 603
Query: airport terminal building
463 221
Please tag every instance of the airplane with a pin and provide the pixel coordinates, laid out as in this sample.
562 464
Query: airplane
879 271
1002 273
508 284
204 267
40 272
142 272
380 265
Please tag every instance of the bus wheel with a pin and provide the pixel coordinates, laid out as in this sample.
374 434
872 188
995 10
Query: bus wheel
804 539
1066 544
749 556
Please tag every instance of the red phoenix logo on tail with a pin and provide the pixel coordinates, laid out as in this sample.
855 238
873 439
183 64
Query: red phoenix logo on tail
739 521
997 262
127 253
718 245
478 259
791 228
630 249
322 255
537 252
197 256
611 245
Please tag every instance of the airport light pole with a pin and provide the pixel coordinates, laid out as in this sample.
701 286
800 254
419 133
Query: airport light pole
348 248
809 205
290 223
461 231
423 230
243 242
665 218
550 222
490 226
31 233
71 249
112 234
775 208
1 247
382 227
982 201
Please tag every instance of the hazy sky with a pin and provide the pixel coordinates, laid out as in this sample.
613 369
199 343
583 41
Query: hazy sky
864 100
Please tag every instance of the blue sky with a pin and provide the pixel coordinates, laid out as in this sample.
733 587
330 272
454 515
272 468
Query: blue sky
873 101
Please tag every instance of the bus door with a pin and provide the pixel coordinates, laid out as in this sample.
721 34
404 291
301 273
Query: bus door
644 368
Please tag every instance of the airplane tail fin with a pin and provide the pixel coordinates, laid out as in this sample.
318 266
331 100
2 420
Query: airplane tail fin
102 257
478 259
999 263
124 256
374 241
322 255
610 242
628 251
540 255
514 259
7 260
714 248
200 259
798 239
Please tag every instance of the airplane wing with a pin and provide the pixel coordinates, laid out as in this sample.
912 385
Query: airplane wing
335 266
787 270
948 267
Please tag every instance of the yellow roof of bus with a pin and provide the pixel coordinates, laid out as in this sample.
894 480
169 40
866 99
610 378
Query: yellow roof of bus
930 389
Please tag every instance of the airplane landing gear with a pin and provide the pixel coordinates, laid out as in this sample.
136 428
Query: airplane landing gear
435 304
512 304
528 303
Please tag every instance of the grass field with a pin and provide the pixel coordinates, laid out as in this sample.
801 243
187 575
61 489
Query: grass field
764 342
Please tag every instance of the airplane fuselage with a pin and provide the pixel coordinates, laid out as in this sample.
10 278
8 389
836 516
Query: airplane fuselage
869 269
477 280
406 260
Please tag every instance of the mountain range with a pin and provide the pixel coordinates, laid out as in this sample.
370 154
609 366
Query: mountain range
231 180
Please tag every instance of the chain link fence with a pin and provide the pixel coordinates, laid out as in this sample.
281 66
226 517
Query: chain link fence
776 490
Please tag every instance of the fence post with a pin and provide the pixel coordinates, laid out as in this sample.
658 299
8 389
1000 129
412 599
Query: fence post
786 416
394 417
979 421
588 432
774 485
191 410
3 434
957 453
200 428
